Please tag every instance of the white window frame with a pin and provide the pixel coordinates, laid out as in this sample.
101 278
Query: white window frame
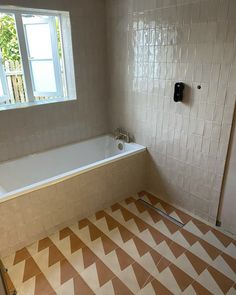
3 79
67 58
55 58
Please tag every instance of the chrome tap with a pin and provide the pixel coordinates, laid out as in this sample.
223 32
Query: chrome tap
120 134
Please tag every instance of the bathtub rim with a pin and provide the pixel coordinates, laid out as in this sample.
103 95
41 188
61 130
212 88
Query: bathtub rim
67 175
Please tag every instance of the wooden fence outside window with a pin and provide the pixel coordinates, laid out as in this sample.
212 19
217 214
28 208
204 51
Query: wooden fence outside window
15 80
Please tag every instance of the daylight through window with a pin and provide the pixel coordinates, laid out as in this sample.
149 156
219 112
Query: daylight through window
35 66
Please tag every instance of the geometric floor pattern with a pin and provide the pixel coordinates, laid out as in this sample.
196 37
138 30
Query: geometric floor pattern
127 249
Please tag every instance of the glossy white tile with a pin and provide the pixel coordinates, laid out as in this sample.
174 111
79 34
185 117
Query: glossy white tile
191 41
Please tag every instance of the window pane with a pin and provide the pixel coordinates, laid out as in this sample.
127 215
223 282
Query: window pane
39 41
10 56
44 76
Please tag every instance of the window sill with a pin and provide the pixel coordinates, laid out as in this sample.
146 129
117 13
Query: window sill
33 103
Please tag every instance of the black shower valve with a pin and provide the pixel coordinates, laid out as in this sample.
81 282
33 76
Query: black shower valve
179 91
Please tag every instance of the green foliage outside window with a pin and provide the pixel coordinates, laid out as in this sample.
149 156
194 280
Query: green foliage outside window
8 39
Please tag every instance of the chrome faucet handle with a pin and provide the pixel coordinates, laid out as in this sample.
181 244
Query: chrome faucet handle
127 137
121 134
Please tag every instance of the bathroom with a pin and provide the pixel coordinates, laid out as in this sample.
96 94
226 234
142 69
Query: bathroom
117 147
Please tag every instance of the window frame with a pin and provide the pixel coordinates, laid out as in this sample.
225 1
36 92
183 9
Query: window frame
67 58
55 58
3 80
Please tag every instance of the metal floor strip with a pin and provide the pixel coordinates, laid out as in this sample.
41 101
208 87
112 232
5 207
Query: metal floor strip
165 215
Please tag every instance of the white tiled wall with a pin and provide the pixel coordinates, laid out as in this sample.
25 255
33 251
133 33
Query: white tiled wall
153 44
26 131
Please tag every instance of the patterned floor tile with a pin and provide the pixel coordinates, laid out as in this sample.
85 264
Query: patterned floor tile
193 228
16 274
155 288
206 251
196 289
191 264
74 286
97 275
127 249
232 291
175 280
147 217
231 249
184 238
226 265
134 276
114 287
217 239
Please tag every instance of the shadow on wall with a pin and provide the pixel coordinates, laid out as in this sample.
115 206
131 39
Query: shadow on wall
156 182
188 97
170 191
163 172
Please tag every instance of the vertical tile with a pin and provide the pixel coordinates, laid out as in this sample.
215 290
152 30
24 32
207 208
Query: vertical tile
195 43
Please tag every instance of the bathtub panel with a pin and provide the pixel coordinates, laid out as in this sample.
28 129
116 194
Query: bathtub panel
37 214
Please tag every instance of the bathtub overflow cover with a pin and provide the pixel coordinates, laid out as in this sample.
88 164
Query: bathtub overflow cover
120 146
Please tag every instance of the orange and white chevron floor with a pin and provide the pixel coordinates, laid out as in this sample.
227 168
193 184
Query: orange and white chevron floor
127 249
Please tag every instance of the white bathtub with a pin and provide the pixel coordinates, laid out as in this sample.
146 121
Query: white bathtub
32 172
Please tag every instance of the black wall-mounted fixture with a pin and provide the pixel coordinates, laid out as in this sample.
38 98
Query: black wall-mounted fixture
179 91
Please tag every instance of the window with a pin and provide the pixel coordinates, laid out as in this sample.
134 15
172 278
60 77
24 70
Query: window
3 83
36 60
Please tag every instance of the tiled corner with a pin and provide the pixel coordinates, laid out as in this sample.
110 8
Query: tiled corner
155 44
